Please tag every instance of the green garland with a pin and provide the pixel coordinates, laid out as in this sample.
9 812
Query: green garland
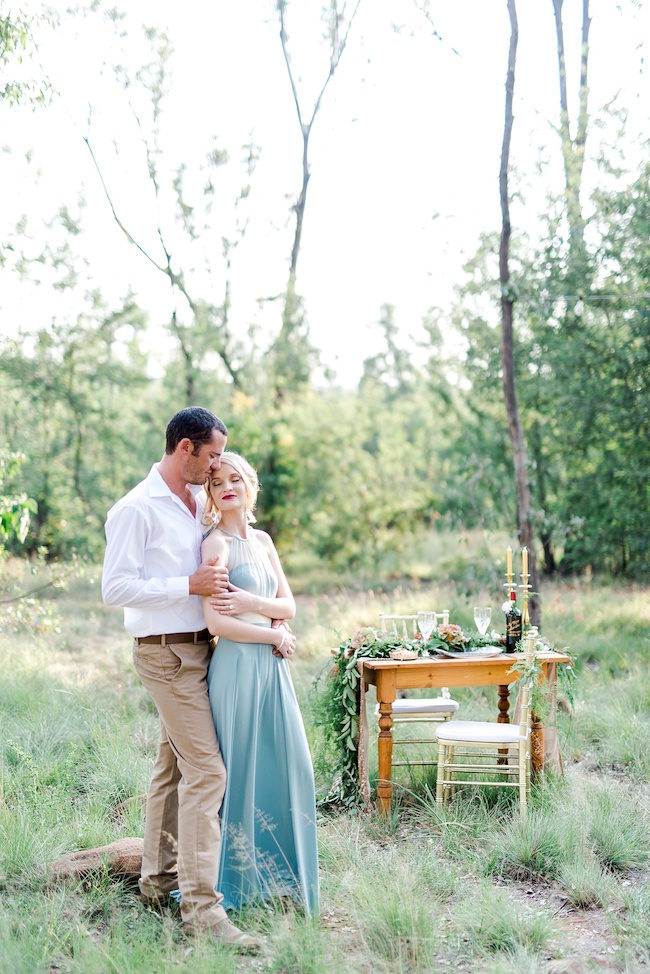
530 674
337 708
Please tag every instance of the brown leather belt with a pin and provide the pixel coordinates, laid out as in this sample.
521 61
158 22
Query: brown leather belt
174 637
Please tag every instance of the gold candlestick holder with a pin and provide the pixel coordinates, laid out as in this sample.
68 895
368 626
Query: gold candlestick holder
509 583
525 589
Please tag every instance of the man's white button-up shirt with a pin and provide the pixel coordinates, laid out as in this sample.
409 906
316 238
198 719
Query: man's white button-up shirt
153 545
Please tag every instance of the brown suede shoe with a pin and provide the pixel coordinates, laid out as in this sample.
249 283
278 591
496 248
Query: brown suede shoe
226 933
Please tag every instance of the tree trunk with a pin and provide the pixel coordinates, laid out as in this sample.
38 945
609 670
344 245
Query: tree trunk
289 337
301 202
573 150
540 473
520 458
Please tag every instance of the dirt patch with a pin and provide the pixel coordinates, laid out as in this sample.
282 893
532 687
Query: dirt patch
585 937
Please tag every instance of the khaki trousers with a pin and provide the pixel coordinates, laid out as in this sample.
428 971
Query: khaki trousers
182 836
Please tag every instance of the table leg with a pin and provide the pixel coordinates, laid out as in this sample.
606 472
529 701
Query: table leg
385 749
536 744
504 716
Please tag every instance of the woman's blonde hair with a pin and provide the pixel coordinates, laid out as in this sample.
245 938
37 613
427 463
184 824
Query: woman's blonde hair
248 474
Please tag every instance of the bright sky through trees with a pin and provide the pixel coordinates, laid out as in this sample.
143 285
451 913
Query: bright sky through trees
404 154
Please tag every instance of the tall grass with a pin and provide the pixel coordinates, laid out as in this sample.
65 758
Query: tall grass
428 889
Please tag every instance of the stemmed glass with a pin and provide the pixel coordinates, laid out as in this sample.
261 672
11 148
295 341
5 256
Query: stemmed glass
482 616
426 625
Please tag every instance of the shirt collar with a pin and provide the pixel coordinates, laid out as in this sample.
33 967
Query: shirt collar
158 488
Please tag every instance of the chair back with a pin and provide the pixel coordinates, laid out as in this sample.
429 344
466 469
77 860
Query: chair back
407 625
530 643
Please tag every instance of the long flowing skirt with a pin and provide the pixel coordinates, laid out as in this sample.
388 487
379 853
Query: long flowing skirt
268 816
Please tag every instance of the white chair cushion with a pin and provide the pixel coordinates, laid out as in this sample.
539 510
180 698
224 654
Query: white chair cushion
429 705
483 732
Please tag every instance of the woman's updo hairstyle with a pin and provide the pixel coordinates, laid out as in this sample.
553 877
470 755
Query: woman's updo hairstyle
248 474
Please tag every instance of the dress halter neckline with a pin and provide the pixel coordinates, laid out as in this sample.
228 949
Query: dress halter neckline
231 535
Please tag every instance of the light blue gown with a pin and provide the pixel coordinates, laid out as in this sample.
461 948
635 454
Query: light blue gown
268 816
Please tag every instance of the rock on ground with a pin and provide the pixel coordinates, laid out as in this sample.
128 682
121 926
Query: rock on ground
122 859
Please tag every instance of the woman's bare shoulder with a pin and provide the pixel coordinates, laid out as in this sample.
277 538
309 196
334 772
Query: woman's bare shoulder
214 546
264 537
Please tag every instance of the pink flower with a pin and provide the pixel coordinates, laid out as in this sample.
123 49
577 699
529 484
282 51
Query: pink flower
363 637
453 635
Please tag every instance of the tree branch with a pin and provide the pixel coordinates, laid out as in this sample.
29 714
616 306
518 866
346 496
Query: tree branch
27 593
338 47
122 227
559 30
287 61
581 135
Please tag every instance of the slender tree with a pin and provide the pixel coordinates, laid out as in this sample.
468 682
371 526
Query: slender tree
519 454
209 327
578 274
573 149
339 27
292 350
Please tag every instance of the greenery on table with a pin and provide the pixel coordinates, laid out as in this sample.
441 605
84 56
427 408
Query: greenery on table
338 703
529 672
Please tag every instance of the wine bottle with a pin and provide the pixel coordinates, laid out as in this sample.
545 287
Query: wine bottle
513 624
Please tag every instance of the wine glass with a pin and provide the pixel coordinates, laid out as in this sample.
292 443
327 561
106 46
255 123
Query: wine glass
482 616
426 624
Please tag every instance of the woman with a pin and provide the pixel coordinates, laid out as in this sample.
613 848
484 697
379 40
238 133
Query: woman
268 816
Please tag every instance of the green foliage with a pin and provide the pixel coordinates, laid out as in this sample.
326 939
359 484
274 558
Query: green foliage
581 354
16 47
86 395
15 508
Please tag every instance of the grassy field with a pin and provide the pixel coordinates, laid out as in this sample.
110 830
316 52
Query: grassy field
471 889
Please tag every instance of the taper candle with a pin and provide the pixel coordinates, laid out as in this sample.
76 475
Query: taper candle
524 561
509 560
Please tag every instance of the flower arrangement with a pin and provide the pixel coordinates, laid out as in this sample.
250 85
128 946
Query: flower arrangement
453 636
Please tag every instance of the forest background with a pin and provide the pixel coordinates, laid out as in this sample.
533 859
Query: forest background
410 436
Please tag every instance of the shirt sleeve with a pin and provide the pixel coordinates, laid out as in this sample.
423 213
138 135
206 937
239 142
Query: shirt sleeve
123 581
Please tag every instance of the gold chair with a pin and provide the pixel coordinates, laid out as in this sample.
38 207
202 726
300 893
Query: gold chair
414 710
499 743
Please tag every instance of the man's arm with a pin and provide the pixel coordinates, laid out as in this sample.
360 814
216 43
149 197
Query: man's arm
122 577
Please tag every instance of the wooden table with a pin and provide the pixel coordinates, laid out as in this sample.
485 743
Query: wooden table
389 676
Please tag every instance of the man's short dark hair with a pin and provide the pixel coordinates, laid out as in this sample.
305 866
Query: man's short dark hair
196 424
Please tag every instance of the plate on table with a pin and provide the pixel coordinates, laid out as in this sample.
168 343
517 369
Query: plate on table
482 651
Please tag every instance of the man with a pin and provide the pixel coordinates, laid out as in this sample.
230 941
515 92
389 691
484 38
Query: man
153 569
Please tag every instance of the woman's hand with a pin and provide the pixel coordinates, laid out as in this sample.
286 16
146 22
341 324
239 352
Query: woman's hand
233 602
285 642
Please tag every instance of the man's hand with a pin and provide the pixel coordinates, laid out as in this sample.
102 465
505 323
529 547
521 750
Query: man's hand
289 645
210 578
